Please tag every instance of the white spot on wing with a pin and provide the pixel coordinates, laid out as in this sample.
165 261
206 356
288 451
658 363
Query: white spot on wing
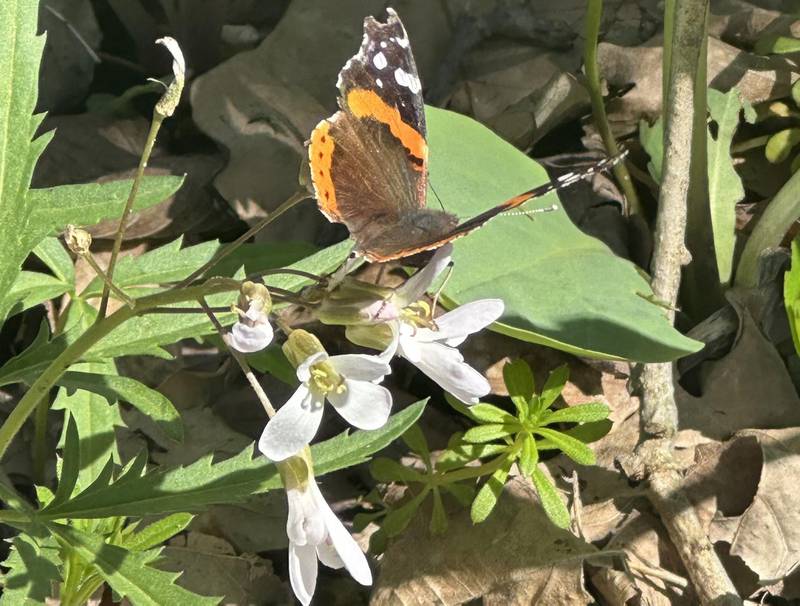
383 44
402 41
379 82
379 60
410 81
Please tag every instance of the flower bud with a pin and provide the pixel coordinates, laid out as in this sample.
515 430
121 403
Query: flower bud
253 292
301 345
169 101
376 336
78 240
356 302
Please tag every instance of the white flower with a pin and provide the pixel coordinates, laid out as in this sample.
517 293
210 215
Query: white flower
433 350
169 101
348 382
315 533
253 331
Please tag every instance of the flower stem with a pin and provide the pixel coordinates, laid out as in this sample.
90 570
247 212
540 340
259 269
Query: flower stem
594 11
40 388
155 125
108 282
40 439
295 198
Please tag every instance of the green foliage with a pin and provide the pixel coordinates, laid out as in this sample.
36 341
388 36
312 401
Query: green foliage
791 295
540 257
775 44
33 565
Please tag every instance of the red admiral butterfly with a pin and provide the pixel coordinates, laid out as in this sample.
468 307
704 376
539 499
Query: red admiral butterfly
369 160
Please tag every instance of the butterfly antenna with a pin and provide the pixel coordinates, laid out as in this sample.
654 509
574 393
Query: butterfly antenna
438 199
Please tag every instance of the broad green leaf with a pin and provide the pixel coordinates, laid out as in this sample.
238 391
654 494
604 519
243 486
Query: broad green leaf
115 388
256 258
489 493
779 146
586 433
415 440
572 447
272 360
52 253
779 215
129 573
20 55
551 502
520 384
490 432
205 483
397 520
774 44
156 533
550 275
725 189
438 523
553 387
791 295
489 413
529 456
388 470
29 289
85 204
580 413
96 419
33 566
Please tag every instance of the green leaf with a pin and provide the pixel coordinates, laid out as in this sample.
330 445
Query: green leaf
256 258
115 388
388 470
488 413
548 273
573 448
20 55
490 432
52 253
129 573
652 139
33 567
725 189
29 289
581 413
206 483
520 384
529 456
551 501
779 215
397 520
159 531
70 466
438 523
88 203
553 387
272 360
791 295
780 145
586 433
490 492
774 44
415 440
461 453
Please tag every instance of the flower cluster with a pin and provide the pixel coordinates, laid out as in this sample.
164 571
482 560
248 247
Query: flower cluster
395 322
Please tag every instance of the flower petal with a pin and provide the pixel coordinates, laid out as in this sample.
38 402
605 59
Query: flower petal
328 555
293 427
350 553
360 367
363 405
446 366
420 282
464 320
303 571
304 370
248 339
304 524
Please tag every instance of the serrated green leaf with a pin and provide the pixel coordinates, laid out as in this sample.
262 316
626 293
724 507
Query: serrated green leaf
488 433
791 295
29 289
551 501
388 470
489 493
553 387
397 520
129 573
205 483
580 413
52 253
438 523
156 533
528 457
33 568
488 413
573 448
26 366
20 55
520 384
70 466
115 388
524 262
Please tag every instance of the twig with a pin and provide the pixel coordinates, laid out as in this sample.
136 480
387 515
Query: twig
653 459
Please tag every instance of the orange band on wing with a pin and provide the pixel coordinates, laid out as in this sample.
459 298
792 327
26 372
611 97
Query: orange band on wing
367 104
320 160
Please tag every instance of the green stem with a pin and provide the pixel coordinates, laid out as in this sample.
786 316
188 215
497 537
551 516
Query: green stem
42 385
40 439
295 198
108 283
594 12
155 125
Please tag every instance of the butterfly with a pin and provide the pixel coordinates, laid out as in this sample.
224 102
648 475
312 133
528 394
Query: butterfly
369 160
